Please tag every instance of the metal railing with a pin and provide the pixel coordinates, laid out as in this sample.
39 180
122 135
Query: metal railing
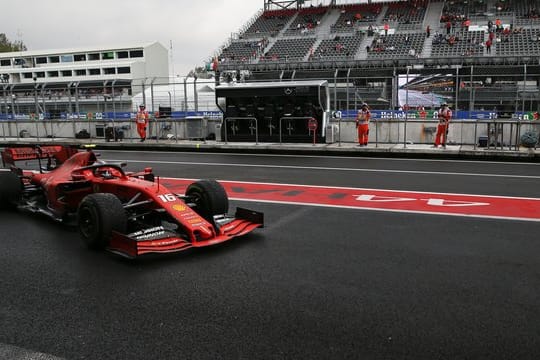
500 134
251 119
289 127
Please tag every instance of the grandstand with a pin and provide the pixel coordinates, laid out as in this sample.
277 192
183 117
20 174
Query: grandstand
364 48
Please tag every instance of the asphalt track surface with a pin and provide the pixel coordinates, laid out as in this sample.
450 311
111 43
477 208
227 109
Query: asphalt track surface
315 283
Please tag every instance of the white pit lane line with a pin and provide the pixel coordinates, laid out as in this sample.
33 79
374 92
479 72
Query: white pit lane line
322 168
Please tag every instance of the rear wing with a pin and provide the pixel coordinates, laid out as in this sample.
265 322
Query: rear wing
59 153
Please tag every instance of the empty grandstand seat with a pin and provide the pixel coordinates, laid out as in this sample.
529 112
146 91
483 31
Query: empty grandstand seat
306 21
289 49
520 41
270 23
406 13
466 43
338 48
356 14
396 45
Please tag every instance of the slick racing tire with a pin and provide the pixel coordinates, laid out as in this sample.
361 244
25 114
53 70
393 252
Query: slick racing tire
98 216
209 198
11 189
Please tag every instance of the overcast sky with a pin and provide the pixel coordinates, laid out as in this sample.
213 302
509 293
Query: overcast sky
196 28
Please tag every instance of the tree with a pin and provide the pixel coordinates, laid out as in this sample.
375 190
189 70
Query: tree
7 46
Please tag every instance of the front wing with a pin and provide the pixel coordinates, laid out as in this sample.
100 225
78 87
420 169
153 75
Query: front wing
160 240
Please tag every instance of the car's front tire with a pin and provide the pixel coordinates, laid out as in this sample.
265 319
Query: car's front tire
209 197
98 216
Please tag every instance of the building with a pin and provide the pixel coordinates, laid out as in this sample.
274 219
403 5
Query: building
89 79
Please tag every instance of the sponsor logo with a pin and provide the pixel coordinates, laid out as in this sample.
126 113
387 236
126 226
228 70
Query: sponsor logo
148 234
179 207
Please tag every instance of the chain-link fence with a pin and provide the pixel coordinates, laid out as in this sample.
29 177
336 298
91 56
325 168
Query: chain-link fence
403 102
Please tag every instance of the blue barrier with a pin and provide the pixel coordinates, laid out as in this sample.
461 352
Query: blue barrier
344 114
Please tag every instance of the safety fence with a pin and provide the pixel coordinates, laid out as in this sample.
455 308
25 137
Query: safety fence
503 134
110 130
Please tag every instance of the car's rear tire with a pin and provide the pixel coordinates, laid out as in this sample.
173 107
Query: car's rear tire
98 216
209 197
11 189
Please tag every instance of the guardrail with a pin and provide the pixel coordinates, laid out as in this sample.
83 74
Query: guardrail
158 129
492 133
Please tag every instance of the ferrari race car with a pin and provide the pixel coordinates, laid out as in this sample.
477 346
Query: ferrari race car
128 213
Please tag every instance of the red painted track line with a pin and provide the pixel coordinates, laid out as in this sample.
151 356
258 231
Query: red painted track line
499 207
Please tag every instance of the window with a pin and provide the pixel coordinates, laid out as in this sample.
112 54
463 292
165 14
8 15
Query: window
136 54
66 73
94 71
52 73
39 74
93 56
5 62
66 58
80 72
54 59
27 75
122 54
107 55
41 60
123 70
79 57
109 71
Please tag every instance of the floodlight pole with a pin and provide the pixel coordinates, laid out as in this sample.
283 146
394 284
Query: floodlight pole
406 109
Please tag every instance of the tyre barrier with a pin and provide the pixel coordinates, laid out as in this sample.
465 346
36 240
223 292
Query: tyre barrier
529 139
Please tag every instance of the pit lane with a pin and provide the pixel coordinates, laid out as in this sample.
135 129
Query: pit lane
315 283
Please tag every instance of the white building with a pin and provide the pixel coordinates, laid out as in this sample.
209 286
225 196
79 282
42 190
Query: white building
80 79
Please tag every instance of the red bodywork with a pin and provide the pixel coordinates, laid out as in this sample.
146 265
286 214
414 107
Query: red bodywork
80 174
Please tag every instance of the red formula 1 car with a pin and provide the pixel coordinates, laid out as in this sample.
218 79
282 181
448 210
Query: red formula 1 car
127 213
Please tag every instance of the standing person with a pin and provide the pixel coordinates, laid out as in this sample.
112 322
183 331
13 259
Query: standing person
142 121
498 25
467 24
445 115
422 113
362 124
428 31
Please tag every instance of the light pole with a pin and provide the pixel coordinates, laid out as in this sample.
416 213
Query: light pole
406 108
13 98
36 117
35 96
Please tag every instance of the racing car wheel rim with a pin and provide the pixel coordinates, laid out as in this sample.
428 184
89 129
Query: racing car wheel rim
88 223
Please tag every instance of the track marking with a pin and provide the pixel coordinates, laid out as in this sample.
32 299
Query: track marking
480 206
333 169
336 157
